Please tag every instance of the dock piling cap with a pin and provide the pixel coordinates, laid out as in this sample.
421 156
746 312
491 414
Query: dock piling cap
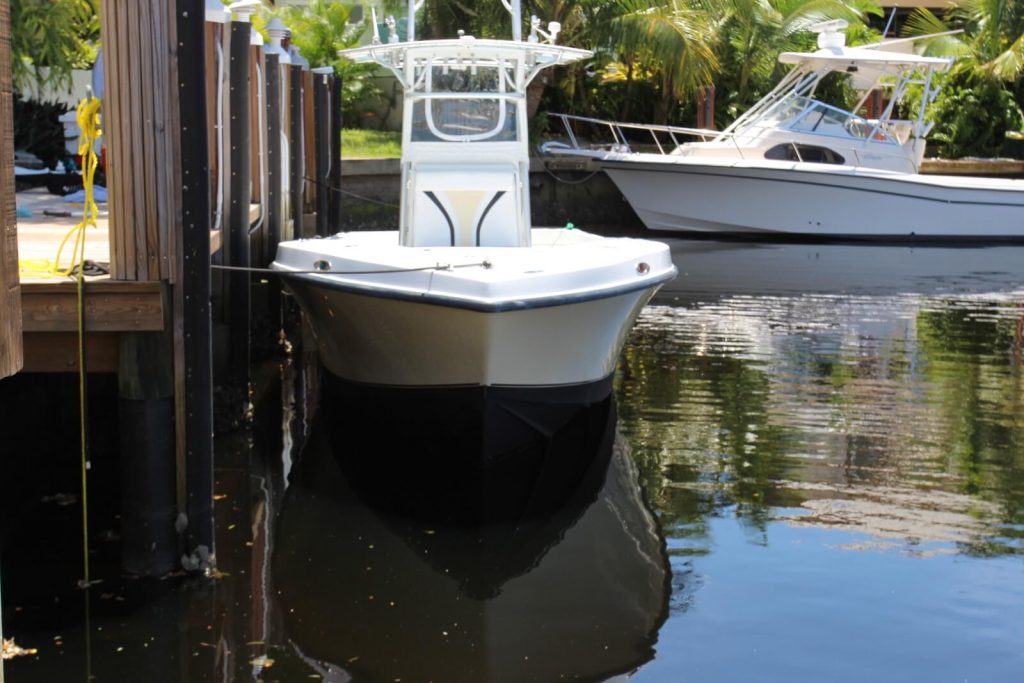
244 9
216 12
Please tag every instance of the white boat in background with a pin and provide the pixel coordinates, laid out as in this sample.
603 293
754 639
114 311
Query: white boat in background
465 294
794 165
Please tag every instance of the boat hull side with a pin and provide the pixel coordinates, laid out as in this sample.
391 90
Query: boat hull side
751 199
395 342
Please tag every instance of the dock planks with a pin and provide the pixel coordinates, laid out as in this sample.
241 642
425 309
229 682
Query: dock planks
141 159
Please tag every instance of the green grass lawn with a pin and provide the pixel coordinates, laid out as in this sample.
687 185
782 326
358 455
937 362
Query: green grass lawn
357 143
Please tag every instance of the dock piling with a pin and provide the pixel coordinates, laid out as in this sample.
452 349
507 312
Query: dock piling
240 189
297 161
321 130
334 152
195 281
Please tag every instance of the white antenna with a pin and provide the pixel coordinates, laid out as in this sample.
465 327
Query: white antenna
514 8
376 30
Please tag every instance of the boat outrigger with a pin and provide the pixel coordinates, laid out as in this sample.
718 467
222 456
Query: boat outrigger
793 164
465 297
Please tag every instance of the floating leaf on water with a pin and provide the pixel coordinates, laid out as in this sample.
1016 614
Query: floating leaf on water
10 650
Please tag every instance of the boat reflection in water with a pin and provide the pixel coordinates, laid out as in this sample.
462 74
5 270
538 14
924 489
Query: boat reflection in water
545 593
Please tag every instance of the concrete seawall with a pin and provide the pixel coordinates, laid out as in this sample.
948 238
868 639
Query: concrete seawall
561 191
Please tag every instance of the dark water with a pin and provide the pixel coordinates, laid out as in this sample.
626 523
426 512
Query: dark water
815 472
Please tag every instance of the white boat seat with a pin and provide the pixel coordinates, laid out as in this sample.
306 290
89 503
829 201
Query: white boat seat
463 205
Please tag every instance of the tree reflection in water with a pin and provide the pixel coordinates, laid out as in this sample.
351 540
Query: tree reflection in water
896 416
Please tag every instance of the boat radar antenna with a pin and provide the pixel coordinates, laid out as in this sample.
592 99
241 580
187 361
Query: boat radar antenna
830 33
392 25
551 34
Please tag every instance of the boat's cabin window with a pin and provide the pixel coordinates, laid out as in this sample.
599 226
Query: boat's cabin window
811 116
812 153
439 117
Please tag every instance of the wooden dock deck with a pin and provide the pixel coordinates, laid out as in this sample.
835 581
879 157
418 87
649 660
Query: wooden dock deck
49 302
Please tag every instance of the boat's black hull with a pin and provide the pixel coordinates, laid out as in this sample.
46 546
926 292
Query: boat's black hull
470 455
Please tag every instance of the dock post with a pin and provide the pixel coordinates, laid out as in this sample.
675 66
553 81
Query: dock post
148 491
273 204
195 280
11 351
334 150
296 149
240 189
321 129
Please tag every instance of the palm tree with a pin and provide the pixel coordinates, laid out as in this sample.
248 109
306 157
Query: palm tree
980 99
993 42
60 35
673 40
319 30
752 33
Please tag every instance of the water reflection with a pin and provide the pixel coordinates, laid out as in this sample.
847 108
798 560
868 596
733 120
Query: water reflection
884 397
578 593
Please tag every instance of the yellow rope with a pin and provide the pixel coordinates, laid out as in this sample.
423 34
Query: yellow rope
88 118
89 122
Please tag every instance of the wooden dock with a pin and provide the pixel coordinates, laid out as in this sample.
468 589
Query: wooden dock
215 152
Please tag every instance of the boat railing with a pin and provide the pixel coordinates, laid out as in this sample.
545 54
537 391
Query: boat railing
594 137
589 134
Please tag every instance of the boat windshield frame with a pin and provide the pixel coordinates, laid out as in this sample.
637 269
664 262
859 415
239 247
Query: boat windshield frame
801 109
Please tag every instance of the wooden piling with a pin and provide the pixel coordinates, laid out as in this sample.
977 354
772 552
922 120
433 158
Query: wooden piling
334 150
296 152
146 416
321 128
273 208
308 145
195 282
238 226
11 353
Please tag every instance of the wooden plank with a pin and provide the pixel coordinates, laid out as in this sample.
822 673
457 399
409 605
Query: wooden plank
138 159
58 351
163 85
11 351
110 305
109 31
149 166
172 147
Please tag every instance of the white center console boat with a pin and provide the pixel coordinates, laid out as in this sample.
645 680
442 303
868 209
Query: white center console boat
464 298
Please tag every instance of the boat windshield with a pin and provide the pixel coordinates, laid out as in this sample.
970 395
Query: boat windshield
440 115
806 115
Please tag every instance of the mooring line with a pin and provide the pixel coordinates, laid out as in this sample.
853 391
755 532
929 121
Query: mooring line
349 193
